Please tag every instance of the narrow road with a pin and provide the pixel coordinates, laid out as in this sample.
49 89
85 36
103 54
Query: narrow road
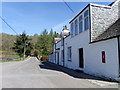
33 74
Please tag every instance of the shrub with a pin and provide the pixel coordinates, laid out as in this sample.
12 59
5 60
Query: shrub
44 58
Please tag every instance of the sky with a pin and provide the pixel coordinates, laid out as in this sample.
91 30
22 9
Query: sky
34 17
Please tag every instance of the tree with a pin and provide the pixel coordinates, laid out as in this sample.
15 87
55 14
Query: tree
51 40
22 45
36 53
51 33
45 42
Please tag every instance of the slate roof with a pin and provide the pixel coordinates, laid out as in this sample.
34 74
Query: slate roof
111 32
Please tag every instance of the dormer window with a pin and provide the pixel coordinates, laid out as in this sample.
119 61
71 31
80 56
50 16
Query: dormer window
76 27
72 30
86 20
86 13
80 24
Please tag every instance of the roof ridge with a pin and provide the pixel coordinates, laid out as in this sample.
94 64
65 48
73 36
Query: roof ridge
100 5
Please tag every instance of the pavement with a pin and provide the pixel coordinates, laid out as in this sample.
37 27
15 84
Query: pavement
33 74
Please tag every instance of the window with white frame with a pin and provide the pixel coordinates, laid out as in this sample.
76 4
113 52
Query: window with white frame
80 24
62 55
72 29
76 27
86 20
69 54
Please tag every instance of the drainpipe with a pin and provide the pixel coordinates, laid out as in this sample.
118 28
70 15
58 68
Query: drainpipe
55 52
65 32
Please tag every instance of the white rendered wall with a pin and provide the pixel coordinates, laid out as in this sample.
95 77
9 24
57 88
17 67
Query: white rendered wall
58 45
93 56
79 41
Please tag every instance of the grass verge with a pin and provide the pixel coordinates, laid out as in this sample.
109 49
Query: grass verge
12 60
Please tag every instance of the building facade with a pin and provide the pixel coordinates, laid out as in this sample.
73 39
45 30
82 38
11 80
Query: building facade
93 44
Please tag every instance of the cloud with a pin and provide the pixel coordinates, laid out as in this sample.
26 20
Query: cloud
58 28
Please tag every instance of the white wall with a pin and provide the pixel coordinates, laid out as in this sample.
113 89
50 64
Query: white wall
52 58
93 55
79 41
93 58
58 45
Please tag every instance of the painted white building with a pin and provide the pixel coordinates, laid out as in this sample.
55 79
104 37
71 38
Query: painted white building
93 44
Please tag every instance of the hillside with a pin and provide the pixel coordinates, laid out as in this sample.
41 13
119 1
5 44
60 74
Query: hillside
7 41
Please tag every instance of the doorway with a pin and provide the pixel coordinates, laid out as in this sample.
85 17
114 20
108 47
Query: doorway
81 59
58 58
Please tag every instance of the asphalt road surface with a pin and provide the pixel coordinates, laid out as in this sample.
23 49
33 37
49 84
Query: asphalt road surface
33 74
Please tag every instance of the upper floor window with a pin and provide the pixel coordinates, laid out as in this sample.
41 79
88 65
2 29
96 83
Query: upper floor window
80 24
80 18
86 23
72 30
86 13
76 27
86 20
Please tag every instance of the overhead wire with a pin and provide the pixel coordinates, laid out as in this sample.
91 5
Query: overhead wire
8 25
15 30
69 7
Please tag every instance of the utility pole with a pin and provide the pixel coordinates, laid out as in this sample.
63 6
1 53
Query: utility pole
24 53
24 49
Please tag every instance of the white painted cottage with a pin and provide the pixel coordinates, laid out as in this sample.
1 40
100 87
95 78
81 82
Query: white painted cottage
93 43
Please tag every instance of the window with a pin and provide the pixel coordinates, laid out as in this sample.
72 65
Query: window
76 27
86 13
86 23
80 27
86 20
69 54
62 55
103 57
80 18
80 24
72 29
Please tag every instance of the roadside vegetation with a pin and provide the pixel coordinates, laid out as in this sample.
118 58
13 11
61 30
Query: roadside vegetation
45 42
12 60
23 46
18 47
